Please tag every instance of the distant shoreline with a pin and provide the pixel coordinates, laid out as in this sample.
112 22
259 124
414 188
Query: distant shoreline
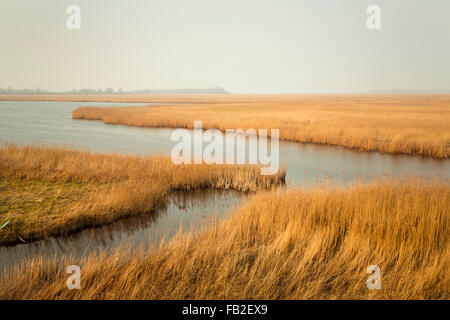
196 98
109 91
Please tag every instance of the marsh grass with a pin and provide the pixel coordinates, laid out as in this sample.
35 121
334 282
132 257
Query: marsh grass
29 205
406 124
313 243
49 191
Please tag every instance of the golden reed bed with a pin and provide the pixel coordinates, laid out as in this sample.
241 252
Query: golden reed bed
53 191
391 124
410 124
291 244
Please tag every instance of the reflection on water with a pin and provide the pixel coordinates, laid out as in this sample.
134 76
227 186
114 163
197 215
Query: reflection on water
188 210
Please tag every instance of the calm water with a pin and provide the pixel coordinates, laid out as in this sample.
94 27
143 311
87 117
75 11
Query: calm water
49 123
186 210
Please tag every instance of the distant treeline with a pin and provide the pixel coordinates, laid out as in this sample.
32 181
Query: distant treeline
10 90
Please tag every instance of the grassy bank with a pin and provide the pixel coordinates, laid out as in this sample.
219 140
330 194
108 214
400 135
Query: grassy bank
406 124
55 191
295 244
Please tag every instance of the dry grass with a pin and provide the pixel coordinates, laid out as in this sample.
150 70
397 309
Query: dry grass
308 244
34 207
409 124
53 191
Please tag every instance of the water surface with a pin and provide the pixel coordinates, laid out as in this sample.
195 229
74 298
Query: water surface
187 211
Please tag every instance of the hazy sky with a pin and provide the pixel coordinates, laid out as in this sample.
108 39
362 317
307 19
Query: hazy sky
245 46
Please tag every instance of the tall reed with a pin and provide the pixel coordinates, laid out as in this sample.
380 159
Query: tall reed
285 244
